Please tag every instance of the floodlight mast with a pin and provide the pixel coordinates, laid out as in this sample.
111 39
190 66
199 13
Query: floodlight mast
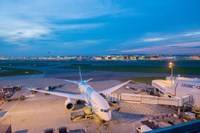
171 66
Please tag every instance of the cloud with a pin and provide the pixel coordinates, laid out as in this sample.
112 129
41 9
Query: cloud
82 43
75 26
195 33
182 48
154 39
188 39
23 21
16 31
111 50
168 37
181 43
20 31
62 9
186 45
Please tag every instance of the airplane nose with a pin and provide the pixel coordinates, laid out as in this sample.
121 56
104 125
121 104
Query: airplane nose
108 117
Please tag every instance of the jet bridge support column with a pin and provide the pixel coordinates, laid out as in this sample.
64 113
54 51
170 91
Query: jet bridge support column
179 110
154 91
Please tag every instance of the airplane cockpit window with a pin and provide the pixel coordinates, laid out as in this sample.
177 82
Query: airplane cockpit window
105 110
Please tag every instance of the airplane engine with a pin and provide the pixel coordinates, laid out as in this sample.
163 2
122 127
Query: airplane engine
69 104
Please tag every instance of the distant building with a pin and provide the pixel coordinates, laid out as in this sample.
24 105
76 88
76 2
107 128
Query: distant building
126 58
170 57
133 57
79 58
156 58
97 58
107 58
71 57
141 58
120 57
194 57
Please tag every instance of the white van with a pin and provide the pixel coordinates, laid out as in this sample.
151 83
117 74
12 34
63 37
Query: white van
143 128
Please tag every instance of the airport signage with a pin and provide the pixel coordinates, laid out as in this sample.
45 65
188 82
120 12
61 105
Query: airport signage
188 86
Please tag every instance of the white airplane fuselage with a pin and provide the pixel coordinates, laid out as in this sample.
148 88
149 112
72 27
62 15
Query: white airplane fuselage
93 99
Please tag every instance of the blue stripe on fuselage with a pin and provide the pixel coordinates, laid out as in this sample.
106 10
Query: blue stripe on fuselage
89 91
83 83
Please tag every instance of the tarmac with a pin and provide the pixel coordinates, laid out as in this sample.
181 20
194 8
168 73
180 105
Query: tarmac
40 111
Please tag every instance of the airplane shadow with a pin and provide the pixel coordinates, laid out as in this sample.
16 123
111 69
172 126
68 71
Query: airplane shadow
79 105
62 91
122 117
2 113
22 131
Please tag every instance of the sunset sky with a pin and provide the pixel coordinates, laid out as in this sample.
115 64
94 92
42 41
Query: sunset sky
99 27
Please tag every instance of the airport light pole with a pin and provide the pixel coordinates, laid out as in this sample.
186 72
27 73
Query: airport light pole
171 66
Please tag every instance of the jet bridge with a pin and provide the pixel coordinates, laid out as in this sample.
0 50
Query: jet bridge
146 99
180 87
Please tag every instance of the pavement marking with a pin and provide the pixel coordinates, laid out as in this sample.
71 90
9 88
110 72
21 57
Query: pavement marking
30 111
8 112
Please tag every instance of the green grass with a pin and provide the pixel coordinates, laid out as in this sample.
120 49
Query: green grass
16 71
147 80
31 64
144 69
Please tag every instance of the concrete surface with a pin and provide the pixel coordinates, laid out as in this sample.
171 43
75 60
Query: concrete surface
40 111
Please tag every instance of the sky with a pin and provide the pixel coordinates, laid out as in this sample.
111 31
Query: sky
99 27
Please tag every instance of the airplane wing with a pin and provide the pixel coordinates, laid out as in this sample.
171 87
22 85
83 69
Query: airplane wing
72 81
88 80
61 94
110 90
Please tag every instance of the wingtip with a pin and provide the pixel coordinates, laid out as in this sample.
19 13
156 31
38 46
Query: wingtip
31 89
71 81
28 88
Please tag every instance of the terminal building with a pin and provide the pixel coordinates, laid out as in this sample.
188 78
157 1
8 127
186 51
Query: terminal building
180 87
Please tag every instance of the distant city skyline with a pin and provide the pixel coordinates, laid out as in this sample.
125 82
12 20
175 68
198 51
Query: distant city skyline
107 58
99 27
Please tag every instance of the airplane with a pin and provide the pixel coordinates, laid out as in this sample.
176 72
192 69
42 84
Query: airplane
93 99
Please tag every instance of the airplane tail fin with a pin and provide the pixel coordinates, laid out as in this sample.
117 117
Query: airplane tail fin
81 79
76 82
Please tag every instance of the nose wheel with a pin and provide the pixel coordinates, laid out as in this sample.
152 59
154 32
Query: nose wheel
104 125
